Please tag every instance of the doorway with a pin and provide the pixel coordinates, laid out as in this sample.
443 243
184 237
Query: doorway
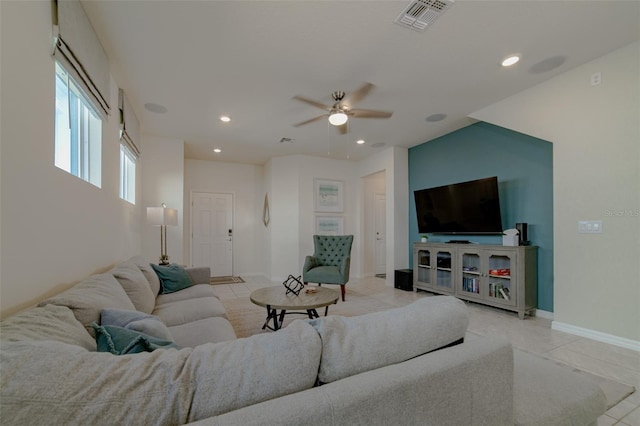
380 227
375 225
212 232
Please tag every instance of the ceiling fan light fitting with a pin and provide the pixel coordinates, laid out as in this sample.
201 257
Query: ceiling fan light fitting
338 118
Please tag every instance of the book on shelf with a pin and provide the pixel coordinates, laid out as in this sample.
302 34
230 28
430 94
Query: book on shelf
504 293
499 291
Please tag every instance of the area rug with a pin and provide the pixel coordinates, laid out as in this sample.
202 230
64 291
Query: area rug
614 391
247 319
226 280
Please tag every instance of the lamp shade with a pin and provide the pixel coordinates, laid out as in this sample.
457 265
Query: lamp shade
161 216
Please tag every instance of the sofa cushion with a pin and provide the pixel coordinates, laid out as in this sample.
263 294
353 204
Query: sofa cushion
207 330
172 278
48 322
194 292
184 311
366 342
243 372
121 341
137 321
166 387
135 285
90 296
148 272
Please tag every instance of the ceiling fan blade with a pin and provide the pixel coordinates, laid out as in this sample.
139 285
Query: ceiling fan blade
344 128
311 120
369 113
312 102
354 97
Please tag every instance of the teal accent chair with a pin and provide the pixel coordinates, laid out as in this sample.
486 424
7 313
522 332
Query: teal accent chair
330 261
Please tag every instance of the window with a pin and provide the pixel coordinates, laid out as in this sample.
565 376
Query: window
127 175
78 139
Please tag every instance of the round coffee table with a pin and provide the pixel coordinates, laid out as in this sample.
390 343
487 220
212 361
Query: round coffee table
274 298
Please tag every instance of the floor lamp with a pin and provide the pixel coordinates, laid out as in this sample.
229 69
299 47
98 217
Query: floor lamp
162 217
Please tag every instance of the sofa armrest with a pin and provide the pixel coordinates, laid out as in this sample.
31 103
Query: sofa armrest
200 274
470 383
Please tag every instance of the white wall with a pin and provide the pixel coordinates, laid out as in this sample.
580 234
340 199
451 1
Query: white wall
56 228
163 182
246 183
293 216
596 160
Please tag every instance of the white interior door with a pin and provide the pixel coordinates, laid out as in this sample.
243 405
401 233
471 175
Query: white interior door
381 233
212 232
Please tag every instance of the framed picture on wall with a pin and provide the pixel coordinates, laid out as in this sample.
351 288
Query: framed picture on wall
329 195
329 225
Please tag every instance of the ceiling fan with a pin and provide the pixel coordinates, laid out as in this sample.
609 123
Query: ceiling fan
342 108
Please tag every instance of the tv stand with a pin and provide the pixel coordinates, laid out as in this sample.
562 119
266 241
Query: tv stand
459 242
501 276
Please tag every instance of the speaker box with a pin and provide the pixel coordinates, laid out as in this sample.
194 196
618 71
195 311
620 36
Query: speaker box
523 233
403 279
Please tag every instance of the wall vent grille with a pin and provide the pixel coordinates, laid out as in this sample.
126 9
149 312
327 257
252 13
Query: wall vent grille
420 14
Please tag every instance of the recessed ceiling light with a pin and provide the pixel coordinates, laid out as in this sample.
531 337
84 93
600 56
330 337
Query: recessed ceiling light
360 141
217 150
158 109
225 118
511 60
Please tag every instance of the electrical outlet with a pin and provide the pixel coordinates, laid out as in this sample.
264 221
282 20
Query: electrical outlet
596 78
590 226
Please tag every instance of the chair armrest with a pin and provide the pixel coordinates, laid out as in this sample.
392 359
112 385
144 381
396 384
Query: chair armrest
200 274
310 262
344 268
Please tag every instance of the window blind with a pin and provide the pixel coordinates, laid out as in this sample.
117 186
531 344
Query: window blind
129 125
78 48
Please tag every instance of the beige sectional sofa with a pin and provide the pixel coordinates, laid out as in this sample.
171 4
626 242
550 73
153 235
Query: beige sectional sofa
403 366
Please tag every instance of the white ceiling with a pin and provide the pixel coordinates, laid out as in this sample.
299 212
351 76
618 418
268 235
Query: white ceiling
247 59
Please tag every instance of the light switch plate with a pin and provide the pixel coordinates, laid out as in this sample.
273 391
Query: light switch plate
590 226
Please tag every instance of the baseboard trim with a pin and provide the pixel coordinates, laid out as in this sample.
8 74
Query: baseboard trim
597 335
544 314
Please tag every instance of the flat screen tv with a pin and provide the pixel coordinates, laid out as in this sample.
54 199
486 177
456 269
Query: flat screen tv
462 208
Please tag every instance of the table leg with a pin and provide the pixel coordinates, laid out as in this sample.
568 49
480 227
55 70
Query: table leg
282 312
271 314
312 313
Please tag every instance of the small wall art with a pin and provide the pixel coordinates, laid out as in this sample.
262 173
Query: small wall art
329 225
329 195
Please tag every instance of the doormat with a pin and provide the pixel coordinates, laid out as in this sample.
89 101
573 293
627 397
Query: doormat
226 280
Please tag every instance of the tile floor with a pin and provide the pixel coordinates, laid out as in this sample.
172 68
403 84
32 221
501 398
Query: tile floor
532 334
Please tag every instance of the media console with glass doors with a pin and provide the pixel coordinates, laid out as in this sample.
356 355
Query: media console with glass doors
500 276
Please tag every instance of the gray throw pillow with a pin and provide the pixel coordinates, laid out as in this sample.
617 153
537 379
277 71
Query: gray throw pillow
137 321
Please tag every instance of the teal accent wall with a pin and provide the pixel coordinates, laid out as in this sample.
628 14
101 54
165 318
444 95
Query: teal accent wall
524 167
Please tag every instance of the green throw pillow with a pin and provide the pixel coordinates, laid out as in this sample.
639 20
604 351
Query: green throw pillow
120 341
172 278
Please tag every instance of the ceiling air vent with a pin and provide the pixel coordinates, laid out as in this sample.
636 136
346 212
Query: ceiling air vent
419 14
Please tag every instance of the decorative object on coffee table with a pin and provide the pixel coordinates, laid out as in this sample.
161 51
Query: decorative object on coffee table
293 285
